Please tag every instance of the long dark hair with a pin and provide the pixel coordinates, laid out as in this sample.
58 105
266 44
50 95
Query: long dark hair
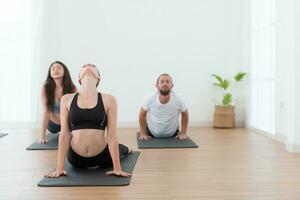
50 86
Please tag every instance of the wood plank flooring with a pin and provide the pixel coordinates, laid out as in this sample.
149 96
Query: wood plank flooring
233 164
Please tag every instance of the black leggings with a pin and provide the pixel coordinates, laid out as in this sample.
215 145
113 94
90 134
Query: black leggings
103 159
53 127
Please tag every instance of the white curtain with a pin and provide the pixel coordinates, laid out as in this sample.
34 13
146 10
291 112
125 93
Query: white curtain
18 68
262 76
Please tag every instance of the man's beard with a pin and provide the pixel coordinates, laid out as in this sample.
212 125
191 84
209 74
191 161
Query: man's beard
165 92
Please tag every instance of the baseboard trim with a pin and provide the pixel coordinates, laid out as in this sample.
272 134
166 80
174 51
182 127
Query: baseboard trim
193 124
293 148
275 137
290 147
121 124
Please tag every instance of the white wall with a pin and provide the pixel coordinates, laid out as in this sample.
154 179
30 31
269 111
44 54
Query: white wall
288 73
297 76
285 62
132 42
20 37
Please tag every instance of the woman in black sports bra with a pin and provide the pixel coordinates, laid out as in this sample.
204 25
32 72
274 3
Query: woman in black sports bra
84 117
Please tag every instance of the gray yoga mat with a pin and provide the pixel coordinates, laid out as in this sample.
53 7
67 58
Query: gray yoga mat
92 177
2 135
170 142
52 143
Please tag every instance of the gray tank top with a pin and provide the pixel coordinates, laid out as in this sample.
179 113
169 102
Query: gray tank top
56 107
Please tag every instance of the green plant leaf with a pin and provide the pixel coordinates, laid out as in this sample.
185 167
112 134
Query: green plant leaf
218 78
240 76
227 99
219 85
226 84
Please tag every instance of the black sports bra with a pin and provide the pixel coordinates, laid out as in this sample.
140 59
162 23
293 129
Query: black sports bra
87 118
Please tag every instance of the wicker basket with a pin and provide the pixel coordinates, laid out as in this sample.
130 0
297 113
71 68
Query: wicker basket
224 117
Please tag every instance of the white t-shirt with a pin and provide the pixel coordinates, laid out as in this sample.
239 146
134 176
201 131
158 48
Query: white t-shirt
163 119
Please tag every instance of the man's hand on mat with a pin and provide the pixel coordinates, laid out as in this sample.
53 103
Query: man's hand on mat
118 173
42 141
56 174
182 136
145 137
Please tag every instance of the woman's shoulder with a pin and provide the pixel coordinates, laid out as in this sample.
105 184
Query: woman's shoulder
109 100
66 100
108 97
67 97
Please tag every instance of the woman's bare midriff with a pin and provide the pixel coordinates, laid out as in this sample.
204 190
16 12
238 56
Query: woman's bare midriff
55 118
88 142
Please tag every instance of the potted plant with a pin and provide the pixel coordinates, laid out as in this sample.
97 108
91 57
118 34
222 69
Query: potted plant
224 116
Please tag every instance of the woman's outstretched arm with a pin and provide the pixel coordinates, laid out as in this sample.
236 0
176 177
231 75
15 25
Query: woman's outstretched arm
64 138
45 117
112 137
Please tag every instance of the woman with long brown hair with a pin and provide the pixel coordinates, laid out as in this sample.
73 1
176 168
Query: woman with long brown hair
57 84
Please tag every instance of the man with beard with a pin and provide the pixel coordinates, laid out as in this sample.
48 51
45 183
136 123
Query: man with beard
160 112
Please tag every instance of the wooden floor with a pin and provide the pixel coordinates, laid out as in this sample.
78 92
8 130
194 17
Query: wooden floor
229 164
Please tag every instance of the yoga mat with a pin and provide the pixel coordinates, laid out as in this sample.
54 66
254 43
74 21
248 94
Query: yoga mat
170 142
2 135
52 143
92 177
